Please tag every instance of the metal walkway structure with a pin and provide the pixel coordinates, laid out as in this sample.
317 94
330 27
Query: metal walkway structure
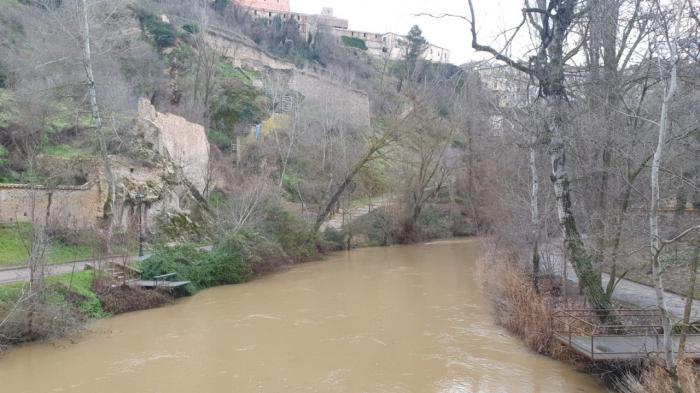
633 334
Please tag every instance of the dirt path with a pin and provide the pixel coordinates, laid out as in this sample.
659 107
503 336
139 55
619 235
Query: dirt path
344 216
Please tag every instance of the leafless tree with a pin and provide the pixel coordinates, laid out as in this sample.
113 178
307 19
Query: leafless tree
553 22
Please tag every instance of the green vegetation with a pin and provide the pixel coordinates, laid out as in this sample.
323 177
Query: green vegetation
4 76
65 117
11 177
219 139
13 250
66 288
280 238
65 151
161 33
80 283
354 42
190 28
236 105
220 5
3 156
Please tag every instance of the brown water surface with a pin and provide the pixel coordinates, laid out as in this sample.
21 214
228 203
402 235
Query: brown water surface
396 319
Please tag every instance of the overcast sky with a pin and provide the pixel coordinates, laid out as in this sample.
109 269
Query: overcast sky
398 16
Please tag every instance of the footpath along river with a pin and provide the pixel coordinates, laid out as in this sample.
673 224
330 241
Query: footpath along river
392 319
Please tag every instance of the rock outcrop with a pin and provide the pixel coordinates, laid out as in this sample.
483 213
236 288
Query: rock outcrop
182 142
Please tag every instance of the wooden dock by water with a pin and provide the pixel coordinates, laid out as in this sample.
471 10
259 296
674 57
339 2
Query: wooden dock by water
626 347
636 334
166 281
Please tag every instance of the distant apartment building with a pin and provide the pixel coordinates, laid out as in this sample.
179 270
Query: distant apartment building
395 46
383 45
510 88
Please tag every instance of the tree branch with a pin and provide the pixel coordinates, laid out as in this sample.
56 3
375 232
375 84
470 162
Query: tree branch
488 49
681 235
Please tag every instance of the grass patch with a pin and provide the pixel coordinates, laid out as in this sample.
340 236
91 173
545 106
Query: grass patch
80 283
70 288
14 253
66 151
227 70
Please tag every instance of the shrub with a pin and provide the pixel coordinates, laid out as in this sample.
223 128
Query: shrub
433 224
220 5
293 235
191 28
182 260
516 305
3 156
219 139
228 263
353 42
334 239
162 33
236 105
4 77
377 225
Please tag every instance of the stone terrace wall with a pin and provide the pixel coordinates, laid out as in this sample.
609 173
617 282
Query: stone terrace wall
243 54
69 207
323 94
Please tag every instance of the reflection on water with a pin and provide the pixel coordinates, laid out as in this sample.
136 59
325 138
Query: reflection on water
396 319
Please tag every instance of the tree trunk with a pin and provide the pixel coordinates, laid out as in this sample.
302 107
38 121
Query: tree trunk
656 243
97 119
575 249
535 218
687 311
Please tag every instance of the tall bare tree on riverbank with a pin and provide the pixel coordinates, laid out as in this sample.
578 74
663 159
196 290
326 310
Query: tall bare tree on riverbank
553 20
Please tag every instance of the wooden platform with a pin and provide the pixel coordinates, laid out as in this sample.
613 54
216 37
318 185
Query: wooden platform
153 284
625 347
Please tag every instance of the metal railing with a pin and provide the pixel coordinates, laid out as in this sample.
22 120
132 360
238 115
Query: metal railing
620 333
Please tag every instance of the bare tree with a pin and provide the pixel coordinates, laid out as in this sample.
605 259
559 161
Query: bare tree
553 20
670 39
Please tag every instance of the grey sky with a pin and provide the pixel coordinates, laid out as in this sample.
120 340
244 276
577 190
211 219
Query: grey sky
397 16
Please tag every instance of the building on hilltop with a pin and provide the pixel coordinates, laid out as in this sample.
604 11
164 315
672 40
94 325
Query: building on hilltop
395 46
268 5
383 45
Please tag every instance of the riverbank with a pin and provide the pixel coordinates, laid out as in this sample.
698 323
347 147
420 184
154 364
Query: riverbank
527 315
59 308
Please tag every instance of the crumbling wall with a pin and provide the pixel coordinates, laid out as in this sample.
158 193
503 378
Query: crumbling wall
80 207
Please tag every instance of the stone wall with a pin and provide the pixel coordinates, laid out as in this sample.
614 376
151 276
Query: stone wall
322 94
243 54
68 207
184 143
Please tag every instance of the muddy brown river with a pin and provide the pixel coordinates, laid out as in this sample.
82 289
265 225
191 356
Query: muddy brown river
395 319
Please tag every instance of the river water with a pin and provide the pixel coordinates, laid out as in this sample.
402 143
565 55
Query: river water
395 319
